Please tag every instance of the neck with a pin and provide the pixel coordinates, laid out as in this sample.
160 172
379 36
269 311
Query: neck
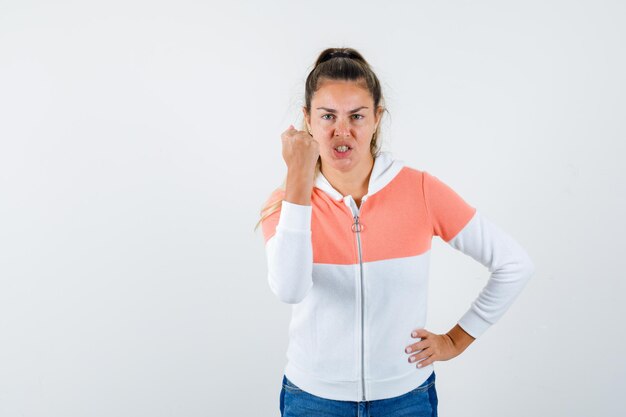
354 182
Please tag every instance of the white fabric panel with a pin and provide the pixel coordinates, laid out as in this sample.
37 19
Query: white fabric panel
290 254
510 268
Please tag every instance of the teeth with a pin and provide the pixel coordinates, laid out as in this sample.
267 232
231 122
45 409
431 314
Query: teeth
343 148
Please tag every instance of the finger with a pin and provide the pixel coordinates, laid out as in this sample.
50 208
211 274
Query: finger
423 354
421 333
297 135
422 344
289 130
426 361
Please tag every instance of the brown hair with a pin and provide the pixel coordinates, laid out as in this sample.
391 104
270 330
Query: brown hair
336 64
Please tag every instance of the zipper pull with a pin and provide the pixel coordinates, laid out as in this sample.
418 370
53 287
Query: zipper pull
356 226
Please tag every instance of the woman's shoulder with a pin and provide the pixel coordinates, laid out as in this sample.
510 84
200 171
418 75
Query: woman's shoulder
417 171
424 177
413 172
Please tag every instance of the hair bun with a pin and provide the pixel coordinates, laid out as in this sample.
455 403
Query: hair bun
330 53
340 54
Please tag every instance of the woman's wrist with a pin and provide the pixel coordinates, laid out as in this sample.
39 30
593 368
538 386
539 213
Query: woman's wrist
460 338
298 189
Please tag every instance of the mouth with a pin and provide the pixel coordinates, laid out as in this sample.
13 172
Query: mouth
342 151
341 148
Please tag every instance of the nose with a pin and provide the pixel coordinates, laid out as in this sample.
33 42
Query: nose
342 128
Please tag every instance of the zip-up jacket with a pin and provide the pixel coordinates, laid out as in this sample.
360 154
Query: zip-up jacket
357 277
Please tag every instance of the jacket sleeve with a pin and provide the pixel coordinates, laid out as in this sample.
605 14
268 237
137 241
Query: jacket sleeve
289 251
465 229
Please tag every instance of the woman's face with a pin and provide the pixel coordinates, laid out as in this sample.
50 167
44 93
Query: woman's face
342 113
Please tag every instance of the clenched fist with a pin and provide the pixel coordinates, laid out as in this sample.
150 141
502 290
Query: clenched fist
300 151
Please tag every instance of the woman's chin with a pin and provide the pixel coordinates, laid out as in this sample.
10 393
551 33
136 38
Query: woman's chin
342 164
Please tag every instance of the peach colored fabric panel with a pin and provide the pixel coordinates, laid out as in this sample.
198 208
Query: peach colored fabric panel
395 220
268 225
395 224
334 242
448 211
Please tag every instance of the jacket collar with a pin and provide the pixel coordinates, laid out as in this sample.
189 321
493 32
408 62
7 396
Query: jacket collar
385 168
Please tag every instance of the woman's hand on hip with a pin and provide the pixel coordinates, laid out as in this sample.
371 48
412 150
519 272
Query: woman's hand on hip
437 347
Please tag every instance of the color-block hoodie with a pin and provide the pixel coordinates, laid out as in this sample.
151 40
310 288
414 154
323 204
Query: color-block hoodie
357 277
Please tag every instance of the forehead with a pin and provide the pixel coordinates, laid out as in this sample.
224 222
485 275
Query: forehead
341 93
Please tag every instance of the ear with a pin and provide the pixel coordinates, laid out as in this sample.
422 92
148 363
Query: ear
307 118
379 114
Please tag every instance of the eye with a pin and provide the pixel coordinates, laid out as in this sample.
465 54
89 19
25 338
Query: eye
357 116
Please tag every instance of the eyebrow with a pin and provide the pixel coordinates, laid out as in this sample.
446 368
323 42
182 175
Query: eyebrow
335 111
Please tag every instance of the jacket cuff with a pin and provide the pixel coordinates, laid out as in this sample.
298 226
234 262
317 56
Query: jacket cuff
295 216
473 324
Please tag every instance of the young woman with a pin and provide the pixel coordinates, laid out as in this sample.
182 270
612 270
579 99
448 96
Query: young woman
348 238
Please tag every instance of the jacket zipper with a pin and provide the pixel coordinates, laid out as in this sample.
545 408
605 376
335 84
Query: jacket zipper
356 227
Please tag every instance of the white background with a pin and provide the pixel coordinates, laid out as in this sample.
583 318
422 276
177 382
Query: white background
139 139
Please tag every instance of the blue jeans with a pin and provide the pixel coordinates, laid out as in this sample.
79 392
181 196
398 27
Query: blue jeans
421 402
